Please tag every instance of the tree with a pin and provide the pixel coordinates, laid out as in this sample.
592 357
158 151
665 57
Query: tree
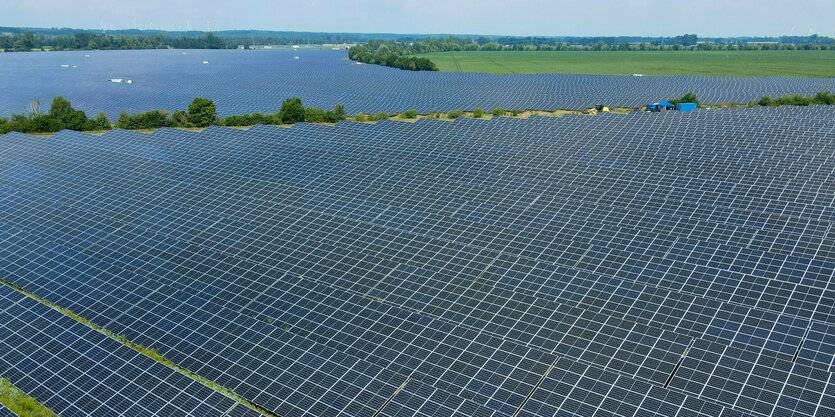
201 112
687 98
100 122
75 120
33 110
292 111
60 106
28 41
340 111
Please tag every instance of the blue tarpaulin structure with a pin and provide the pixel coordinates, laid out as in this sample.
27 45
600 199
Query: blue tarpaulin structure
686 106
660 106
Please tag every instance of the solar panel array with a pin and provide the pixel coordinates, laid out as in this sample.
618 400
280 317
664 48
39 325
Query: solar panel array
643 264
170 79
78 371
5 412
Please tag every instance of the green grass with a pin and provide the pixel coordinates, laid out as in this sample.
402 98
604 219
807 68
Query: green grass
20 403
820 64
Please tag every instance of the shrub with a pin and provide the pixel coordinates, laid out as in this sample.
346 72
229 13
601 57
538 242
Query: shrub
60 106
824 98
687 98
793 100
147 120
359 117
272 119
201 112
74 120
340 112
44 124
765 101
292 111
515 112
333 117
314 115
409 114
258 118
498 111
478 112
455 114
100 122
242 120
382 115
180 119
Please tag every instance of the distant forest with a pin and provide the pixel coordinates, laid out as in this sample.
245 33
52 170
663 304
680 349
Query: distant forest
27 39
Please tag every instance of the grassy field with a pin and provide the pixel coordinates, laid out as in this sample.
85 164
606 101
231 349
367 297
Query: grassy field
819 64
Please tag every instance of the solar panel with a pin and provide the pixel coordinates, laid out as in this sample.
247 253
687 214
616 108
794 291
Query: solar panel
169 80
75 370
620 265
5 412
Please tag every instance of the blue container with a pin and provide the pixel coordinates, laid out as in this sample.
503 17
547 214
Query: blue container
686 106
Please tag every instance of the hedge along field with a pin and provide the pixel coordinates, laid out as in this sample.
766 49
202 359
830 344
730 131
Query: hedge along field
819 64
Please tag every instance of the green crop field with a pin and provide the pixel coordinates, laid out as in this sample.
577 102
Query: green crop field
721 63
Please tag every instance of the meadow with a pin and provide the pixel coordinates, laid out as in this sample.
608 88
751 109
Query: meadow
818 64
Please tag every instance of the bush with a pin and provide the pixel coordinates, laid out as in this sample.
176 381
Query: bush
60 106
455 114
408 114
201 112
382 115
292 111
687 98
478 112
44 124
515 112
498 111
314 115
793 100
242 120
148 120
765 101
99 122
74 120
180 119
824 98
359 117
340 112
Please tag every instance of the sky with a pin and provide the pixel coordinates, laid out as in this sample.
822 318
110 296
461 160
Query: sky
508 17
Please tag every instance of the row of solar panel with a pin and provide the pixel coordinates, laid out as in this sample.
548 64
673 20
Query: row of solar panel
80 372
221 345
801 329
168 80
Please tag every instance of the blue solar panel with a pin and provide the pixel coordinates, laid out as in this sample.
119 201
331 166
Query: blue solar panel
75 370
257 81
5 412
674 264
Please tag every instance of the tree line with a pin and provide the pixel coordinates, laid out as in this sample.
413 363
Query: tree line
28 40
201 112
390 54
